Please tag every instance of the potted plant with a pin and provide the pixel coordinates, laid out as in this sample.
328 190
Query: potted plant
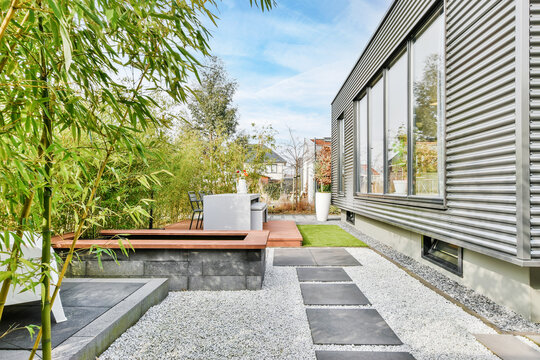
399 163
241 184
323 177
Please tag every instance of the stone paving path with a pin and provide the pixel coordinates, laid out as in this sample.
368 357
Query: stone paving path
338 312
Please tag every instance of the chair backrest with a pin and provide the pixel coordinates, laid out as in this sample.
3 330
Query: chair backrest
193 200
209 192
202 194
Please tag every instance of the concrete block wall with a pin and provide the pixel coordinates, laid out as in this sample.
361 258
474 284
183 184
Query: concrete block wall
185 269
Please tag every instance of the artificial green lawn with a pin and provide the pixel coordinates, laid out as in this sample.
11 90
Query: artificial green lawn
328 235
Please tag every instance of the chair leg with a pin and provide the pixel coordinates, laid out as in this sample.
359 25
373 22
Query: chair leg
198 219
192 216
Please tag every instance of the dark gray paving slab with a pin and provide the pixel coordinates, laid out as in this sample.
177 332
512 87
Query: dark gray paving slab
362 355
508 347
293 257
83 302
332 294
96 294
322 274
350 326
78 317
333 257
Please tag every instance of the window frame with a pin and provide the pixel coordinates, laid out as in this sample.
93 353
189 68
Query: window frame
435 202
364 95
341 155
428 242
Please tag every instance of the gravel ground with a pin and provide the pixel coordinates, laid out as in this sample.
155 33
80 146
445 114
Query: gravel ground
272 323
429 325
501 316
266 324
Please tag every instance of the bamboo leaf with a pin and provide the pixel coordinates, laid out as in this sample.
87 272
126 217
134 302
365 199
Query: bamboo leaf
4 275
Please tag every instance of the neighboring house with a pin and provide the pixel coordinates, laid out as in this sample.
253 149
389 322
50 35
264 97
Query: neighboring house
307 173
443 103
275 166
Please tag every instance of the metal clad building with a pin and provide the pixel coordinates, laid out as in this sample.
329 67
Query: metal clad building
488 200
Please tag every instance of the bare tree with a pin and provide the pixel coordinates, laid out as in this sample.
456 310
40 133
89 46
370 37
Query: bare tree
294 152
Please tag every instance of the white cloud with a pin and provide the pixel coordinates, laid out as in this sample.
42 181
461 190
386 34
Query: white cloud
290 64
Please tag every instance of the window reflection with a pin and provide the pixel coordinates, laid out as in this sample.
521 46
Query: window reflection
362 144
427 108
397 126
376 132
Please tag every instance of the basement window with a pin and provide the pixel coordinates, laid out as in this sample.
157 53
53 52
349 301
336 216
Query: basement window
350 217
443 254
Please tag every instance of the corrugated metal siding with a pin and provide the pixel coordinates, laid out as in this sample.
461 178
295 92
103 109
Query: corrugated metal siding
480 124
403 16
535 125
480 132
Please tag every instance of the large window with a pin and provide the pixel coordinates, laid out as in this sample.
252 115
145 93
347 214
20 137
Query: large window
396 130
427 70
341 174
399 121
376 137
362 144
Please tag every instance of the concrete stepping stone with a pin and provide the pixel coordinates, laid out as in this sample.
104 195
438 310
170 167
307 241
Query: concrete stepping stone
332 294
293 257
350 327
362 355
333 257
534 338
508 347
314 257
322 274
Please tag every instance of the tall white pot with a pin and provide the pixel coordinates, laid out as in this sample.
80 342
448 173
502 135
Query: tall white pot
241 186
322 205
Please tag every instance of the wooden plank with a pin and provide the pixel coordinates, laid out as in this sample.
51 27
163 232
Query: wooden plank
253 240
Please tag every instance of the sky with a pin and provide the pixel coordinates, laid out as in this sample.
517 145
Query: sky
289 63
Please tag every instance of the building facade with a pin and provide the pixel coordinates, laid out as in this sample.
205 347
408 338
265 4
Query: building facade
275 168
443 106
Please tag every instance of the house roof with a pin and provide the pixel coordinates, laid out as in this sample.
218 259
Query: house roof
271 156
322 142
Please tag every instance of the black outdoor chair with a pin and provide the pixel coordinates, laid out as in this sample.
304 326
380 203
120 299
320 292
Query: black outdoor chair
209 192
196 208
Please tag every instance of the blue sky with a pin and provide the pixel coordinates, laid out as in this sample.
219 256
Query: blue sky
290 62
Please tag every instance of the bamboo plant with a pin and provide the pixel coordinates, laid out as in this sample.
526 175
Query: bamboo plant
60 68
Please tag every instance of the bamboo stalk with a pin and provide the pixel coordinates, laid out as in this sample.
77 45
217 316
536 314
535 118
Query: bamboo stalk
80 225
46 345
9 15
12 46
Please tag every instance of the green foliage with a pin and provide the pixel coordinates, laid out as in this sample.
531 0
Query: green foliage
425 95
73 135
323 169
273 190
211 108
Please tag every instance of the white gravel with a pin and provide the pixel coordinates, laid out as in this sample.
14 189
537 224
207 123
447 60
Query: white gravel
266 324
272 323
429 325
